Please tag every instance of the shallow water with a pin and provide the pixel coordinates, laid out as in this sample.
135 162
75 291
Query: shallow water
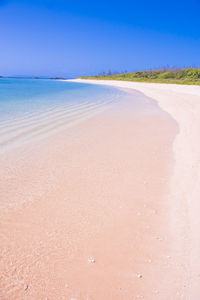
35 108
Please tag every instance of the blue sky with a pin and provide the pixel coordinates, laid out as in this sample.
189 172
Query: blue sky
71 38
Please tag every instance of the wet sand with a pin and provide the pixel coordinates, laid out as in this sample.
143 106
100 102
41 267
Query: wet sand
88 212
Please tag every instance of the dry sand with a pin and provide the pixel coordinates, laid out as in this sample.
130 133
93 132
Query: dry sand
107 209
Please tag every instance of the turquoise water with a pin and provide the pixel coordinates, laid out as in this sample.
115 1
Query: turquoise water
32 108
20 96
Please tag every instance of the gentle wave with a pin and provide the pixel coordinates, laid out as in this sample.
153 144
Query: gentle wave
41 124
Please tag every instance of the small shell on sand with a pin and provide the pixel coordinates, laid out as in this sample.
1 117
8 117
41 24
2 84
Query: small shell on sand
159 238
91 260
26 287
139 275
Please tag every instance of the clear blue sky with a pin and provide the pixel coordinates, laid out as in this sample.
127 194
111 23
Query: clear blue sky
70 38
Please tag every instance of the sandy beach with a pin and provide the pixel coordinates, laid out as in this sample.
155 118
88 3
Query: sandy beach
109 207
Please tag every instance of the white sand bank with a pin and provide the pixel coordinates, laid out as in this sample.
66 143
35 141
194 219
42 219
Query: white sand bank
183 104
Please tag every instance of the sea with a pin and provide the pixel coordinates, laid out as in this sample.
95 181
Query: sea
35 108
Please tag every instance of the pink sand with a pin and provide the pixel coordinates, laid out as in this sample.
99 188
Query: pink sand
106 189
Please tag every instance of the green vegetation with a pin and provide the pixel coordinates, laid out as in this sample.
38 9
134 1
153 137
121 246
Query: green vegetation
178 76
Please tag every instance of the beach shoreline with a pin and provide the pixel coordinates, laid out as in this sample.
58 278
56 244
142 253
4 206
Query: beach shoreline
183 104
105 211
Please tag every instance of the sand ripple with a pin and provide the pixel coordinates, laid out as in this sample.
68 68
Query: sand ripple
40 124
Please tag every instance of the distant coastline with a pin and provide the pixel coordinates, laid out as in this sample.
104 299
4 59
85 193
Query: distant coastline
187 76
34 77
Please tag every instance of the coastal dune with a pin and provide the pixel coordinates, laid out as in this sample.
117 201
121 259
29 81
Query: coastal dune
106 208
